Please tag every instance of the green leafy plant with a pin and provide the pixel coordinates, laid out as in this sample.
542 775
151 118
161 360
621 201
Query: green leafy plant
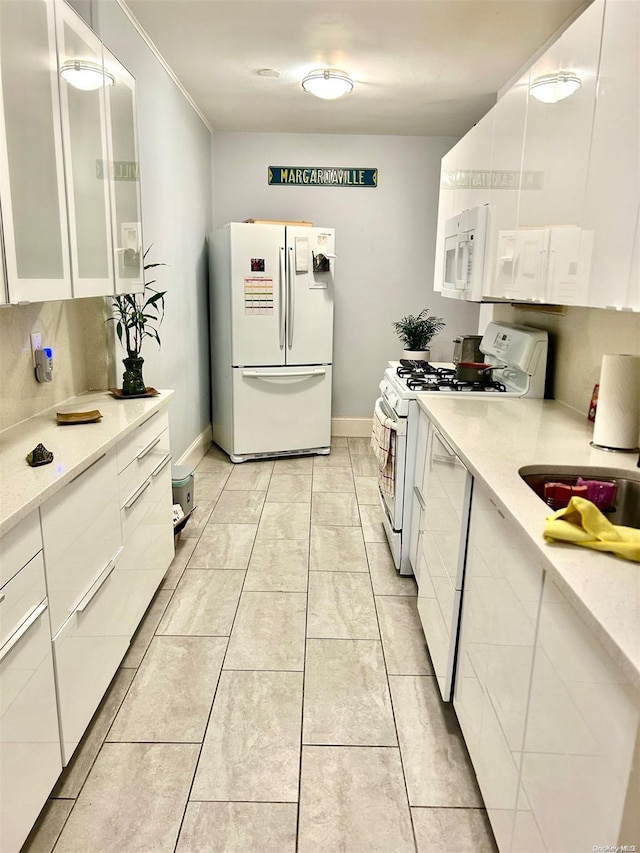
138 315
417 331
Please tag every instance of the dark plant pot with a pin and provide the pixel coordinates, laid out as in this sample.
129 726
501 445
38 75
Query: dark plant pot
132 381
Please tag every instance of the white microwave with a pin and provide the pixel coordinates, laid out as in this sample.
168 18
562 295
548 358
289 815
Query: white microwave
465 237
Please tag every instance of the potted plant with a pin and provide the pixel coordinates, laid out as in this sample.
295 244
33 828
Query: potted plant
416 333
137 316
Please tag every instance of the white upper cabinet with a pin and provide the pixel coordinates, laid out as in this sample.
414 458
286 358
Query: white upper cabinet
122 140
558 135
613 180
32 190
565 174
510 115
69 182
84 135
445 210
553 253
473 165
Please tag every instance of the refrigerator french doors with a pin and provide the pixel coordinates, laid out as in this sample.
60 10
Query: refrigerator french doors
272 339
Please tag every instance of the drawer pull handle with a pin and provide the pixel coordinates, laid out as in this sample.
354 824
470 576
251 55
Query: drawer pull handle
84 470
2 597
82 602
22 628
162 465
138 494
148 448
416 492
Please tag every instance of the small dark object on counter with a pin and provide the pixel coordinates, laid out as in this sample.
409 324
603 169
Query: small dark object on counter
39 456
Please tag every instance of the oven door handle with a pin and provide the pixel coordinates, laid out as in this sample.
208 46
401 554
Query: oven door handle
385 416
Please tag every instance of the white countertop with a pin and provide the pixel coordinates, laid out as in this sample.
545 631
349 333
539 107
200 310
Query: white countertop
74 448
495 438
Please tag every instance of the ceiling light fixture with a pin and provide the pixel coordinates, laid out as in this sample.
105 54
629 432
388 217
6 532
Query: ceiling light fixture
327 83
551 88
85 75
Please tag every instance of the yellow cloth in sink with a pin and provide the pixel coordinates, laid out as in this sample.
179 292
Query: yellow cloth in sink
582 523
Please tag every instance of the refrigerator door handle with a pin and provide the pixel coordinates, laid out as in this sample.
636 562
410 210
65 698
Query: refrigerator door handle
281 296
290 298
264 374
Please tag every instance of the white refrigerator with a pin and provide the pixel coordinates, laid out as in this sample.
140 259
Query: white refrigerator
271 339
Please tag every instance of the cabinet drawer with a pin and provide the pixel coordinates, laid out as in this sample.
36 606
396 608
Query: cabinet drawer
137 444
81 535
151 459
18 546
147 525
90 645
20 597
29 739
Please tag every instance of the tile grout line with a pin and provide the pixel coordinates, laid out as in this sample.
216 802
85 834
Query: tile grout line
204 733
393 710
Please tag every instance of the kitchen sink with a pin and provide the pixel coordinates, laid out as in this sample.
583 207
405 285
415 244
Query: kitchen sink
626 508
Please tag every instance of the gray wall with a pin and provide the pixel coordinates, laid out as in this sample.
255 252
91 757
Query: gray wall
384 239
175 171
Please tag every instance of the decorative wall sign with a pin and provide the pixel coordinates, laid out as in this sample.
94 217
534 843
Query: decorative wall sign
322 176
497 179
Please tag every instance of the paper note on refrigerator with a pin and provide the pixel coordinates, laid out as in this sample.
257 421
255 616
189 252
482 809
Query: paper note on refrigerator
258 295
302 254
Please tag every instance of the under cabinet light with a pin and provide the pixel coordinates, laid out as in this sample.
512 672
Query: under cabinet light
85 75
327 83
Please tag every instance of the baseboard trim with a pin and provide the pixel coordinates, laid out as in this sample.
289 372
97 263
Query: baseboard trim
197 450
353 427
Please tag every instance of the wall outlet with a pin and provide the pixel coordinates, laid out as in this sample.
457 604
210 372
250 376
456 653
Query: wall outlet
36 343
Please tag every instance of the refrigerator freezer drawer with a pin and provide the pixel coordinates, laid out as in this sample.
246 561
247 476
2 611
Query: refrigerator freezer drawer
281 409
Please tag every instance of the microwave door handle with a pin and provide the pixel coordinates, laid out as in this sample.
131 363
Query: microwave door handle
462 249
281 296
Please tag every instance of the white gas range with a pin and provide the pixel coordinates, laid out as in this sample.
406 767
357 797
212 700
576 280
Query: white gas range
519 354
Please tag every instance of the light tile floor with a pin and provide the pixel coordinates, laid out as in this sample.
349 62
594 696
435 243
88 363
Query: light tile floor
278 695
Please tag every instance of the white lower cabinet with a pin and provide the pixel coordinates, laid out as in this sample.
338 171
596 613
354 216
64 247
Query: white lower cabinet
90 645
76 577
146 517
30 759
502 588
418 505
581 734
550 721
81 536
446 491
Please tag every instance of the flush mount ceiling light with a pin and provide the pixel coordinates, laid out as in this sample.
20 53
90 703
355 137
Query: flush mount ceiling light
327 83
555 87
86 75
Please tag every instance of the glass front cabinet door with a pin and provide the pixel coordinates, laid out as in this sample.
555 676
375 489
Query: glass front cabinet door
32 192
84 135
69 183
124 176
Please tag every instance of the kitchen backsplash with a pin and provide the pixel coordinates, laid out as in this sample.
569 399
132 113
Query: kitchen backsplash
81 343
76 332
578 340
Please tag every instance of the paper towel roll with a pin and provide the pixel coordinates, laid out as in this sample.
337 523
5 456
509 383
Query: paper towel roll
617 422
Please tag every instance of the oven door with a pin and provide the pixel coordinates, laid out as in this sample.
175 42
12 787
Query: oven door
393 504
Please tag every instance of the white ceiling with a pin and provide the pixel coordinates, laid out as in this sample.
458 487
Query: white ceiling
421 67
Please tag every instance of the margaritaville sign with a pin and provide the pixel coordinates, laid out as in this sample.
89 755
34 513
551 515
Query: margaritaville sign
322 176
